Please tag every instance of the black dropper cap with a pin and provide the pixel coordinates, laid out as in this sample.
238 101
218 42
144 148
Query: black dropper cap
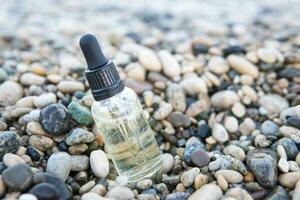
101 73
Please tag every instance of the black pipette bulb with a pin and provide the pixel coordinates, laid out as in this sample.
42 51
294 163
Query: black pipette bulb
92 51
101 74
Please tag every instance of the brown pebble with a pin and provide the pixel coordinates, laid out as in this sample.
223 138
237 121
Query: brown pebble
248 177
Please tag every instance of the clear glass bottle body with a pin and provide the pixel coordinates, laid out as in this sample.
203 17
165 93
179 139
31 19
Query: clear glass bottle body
129 140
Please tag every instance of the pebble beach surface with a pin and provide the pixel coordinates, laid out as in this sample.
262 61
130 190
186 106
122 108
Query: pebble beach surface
219 84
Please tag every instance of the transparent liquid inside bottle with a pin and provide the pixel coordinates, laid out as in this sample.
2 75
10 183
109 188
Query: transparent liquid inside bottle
129 140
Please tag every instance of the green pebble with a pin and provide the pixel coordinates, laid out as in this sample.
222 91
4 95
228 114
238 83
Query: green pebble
80 114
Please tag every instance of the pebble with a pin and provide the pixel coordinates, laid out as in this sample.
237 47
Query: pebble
163 111
177 196
33 153
218 65
79 162
149 60
273 103
137 86
200 158
193 85
235 151
188 151
45 191
289 180
230 176
93 196
59 164
70 86
224 99
231 124
144 184
187 177
289 146
55 119
296 193
42 143
176 97
198 107
177 119
9 142
99 163
115 192
44 100
10 92
170 66
26 102
18 177
167 163
247 126
63 190
242 66
77 149
79 136
135 71
34 128
283 165
207 192
263 165
80 114
200 180
278 193
269 128
11 159
99 189
87 187
238 193
222 182
267 55
219 133
32 79
27 196
238 109
2 186
234 49
294 121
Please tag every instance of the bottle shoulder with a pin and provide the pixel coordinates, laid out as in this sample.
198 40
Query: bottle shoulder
125 103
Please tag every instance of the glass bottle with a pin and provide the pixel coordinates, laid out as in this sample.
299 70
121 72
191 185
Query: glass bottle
118 114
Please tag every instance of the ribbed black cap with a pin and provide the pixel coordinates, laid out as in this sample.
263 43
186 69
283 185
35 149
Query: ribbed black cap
101 74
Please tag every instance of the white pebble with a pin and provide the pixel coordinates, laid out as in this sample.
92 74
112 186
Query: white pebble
99 163
242 66
171 67
219 133
283 165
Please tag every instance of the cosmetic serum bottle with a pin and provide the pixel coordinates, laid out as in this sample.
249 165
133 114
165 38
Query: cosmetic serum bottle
118 115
